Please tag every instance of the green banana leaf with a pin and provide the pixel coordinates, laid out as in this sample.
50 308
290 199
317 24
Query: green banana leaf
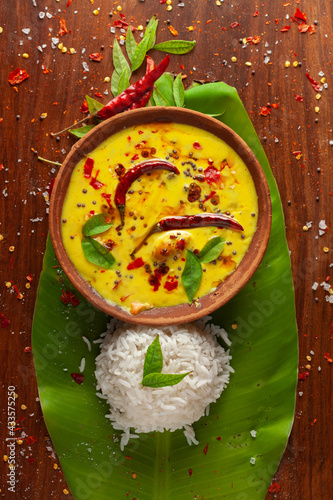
260 396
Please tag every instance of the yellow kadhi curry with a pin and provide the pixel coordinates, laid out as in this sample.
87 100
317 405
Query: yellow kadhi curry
212 179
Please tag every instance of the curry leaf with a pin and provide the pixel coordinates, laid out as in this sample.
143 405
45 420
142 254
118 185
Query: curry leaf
124 80
175 46
119 60
154 358
151 22
130 43
96 253
211 250
163 379
115 83
81 131
96 224
192 274
178 91
93 105
146 44
159 98
165 85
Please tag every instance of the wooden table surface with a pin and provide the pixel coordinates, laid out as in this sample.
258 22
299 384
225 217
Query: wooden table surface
56 87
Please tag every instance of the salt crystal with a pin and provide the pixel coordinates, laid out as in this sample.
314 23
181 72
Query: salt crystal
315 285
85 66
300 393
321 232
319 368
41 15
106 92
112 29
312 352
40 48
321 73
252 460
329 298
253 433
49 15
322 224
308 224
26 31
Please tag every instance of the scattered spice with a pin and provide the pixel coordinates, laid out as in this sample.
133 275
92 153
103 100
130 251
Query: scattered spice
77 377
274 488
63 28
17 76
96 56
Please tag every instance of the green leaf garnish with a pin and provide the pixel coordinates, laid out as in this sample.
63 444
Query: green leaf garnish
178 91
96 253
192 275
154 358
146 44
162 379
93 105
119 60
81 131
175 46
124 80
159 98
96 224
130 44
211 250
115 83
165 85
151 22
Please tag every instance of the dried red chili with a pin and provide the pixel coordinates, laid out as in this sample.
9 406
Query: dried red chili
107 198
129 98
133 174
205 449
196 145
63 28
176 222
95 183
5 322
234 25
88 168
96 56
298 98
328 357
210 196
285 29
69 2
264 111
303 376
136 264
274 488
314 84
299 17
84 108
31 440
69 297
77 377
212 175
17 76
171 285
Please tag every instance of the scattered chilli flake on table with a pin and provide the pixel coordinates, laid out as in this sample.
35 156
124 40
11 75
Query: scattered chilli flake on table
17 76
77 377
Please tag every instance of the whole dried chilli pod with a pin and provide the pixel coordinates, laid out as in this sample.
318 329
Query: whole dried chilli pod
134 92
133 174
135 96
191 221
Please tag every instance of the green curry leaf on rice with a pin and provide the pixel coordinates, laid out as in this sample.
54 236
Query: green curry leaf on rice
96 224
154 358
96 253
163 379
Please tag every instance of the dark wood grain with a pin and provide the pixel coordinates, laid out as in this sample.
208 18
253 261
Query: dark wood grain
305 184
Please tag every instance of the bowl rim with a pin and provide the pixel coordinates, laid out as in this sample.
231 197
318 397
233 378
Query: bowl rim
181 313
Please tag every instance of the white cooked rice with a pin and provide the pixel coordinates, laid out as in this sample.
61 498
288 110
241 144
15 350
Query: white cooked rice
192 347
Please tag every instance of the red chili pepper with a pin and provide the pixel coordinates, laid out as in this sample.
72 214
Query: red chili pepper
133 174
314 84
95 183
96 56
136 264
84 108
234 25
134 92
299 16
196 145
191 221
88 168
213 193
285 29
63 28
298 98
107 198
17 76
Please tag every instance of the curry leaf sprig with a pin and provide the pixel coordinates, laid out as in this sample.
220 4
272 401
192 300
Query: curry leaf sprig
152 376
93 251
192 272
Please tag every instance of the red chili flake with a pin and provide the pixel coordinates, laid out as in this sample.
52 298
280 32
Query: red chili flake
78 377
17 291
29 278
264 111
27 349
95 183
84 108
96 56
190 471
120 24
234 25
296 153
136 264
196 145
253 39
11 261
98 94
124 298
274 488
311 29
275 105
298 98
69 2
285 29
69 297
31 460
117 284
209 196
299 16
205 449
219 438
31 440
303 28
63 28
135 157
256 13
162 1
181 244
88 167
212 175
17 76
4 321
171 285
141 132
314 84
328 357
303 376
107 198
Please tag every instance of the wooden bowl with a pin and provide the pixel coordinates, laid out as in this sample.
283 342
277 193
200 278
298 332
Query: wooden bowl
233 283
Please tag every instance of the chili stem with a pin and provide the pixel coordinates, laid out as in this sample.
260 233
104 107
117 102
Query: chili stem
74 125
40 158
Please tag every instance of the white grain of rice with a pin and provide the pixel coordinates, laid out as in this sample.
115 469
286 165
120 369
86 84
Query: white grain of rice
119 370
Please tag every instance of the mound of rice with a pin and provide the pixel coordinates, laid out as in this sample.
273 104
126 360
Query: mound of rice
190 347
